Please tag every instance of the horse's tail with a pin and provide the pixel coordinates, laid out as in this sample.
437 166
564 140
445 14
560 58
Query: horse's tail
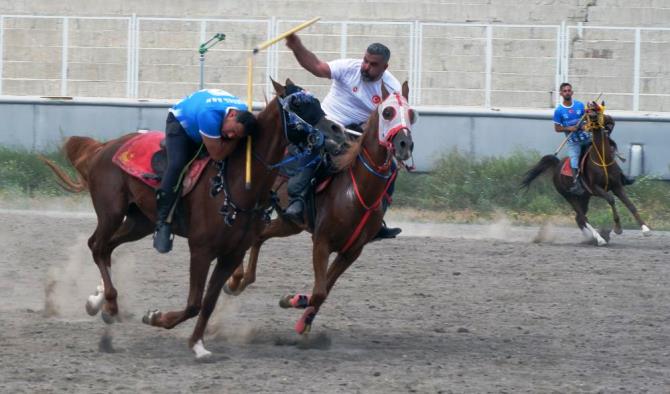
79 151
546 162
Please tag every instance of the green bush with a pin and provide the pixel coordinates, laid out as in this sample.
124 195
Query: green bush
459 182
22 171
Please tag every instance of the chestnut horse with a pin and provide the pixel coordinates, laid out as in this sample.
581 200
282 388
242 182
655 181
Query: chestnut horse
601 173
348 212
126 210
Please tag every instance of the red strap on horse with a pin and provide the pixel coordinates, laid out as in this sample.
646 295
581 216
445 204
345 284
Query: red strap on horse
384 167
368 209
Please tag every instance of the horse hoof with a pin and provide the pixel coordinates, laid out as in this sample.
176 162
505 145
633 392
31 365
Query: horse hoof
107 317
229 291
91 309
618 230
646 231
201 354
94 302
285 302
304 324
151 316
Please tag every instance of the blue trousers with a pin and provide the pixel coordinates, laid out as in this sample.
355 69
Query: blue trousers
180 150
574 150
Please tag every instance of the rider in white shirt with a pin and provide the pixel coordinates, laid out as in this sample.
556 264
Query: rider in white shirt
355 92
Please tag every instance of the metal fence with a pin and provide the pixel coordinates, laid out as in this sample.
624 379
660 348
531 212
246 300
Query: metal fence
466 64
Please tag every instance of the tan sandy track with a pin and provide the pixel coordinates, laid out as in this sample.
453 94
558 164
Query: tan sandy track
460 311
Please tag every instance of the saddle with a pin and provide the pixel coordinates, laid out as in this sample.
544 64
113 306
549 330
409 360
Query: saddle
145 158
321 179
565 168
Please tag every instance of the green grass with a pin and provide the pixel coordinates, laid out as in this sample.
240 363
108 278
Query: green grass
460 188
23 174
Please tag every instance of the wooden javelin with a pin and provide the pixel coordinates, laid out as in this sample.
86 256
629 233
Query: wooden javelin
250 83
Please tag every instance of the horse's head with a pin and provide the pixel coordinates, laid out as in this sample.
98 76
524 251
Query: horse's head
594 116
395 120
305 107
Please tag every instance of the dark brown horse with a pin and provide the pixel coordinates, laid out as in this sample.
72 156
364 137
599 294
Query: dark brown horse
601 174
126 211
348 212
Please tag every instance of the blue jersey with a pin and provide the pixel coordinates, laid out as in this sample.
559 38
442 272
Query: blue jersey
203 111
570 116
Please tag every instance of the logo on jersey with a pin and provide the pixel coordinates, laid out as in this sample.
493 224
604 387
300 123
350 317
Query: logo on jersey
355 89
376 99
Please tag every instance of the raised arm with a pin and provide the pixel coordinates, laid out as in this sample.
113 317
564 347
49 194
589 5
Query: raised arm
307 58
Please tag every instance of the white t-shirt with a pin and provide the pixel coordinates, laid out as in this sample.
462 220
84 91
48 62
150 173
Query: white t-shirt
351 99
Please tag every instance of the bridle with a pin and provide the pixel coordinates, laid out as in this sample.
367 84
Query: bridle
230 209
398 121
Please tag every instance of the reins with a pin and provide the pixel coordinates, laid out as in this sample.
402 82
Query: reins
602 153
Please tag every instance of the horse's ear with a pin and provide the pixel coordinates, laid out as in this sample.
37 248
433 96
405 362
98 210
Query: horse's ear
289 82
279 89
385 92
405 90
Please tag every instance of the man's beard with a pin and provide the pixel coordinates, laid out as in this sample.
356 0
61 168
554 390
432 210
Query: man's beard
366 77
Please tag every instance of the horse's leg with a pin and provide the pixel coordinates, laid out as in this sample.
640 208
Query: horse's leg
99 244
136 226
200 261
610 200
242 278
224 268
311 304
581 205
320 253
619 192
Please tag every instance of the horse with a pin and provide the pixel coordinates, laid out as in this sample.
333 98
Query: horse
348 212
126 209
601 174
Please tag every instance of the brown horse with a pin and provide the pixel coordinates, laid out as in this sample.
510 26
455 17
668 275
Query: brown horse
600 172
126 210
348 212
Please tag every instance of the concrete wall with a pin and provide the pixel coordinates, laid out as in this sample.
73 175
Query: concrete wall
41 124
452 58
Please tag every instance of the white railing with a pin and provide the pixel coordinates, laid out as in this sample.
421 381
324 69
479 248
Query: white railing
485 65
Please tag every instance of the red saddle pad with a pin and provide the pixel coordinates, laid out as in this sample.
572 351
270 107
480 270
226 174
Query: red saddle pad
134 157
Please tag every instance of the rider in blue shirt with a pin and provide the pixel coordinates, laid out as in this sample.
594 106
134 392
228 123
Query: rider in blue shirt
568 119
211 117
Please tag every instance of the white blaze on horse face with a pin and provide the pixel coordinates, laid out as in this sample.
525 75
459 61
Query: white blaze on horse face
200 351
399 120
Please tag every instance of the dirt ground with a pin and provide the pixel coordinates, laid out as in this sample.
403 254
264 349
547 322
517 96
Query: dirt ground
448 308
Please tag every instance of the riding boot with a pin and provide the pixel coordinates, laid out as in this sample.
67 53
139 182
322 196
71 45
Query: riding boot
163 235
576 187
295 210
298 187
387 232
626 181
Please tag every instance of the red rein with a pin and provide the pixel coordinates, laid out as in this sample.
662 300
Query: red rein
368 209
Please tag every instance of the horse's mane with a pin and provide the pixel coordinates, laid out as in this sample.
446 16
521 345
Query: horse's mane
346 159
